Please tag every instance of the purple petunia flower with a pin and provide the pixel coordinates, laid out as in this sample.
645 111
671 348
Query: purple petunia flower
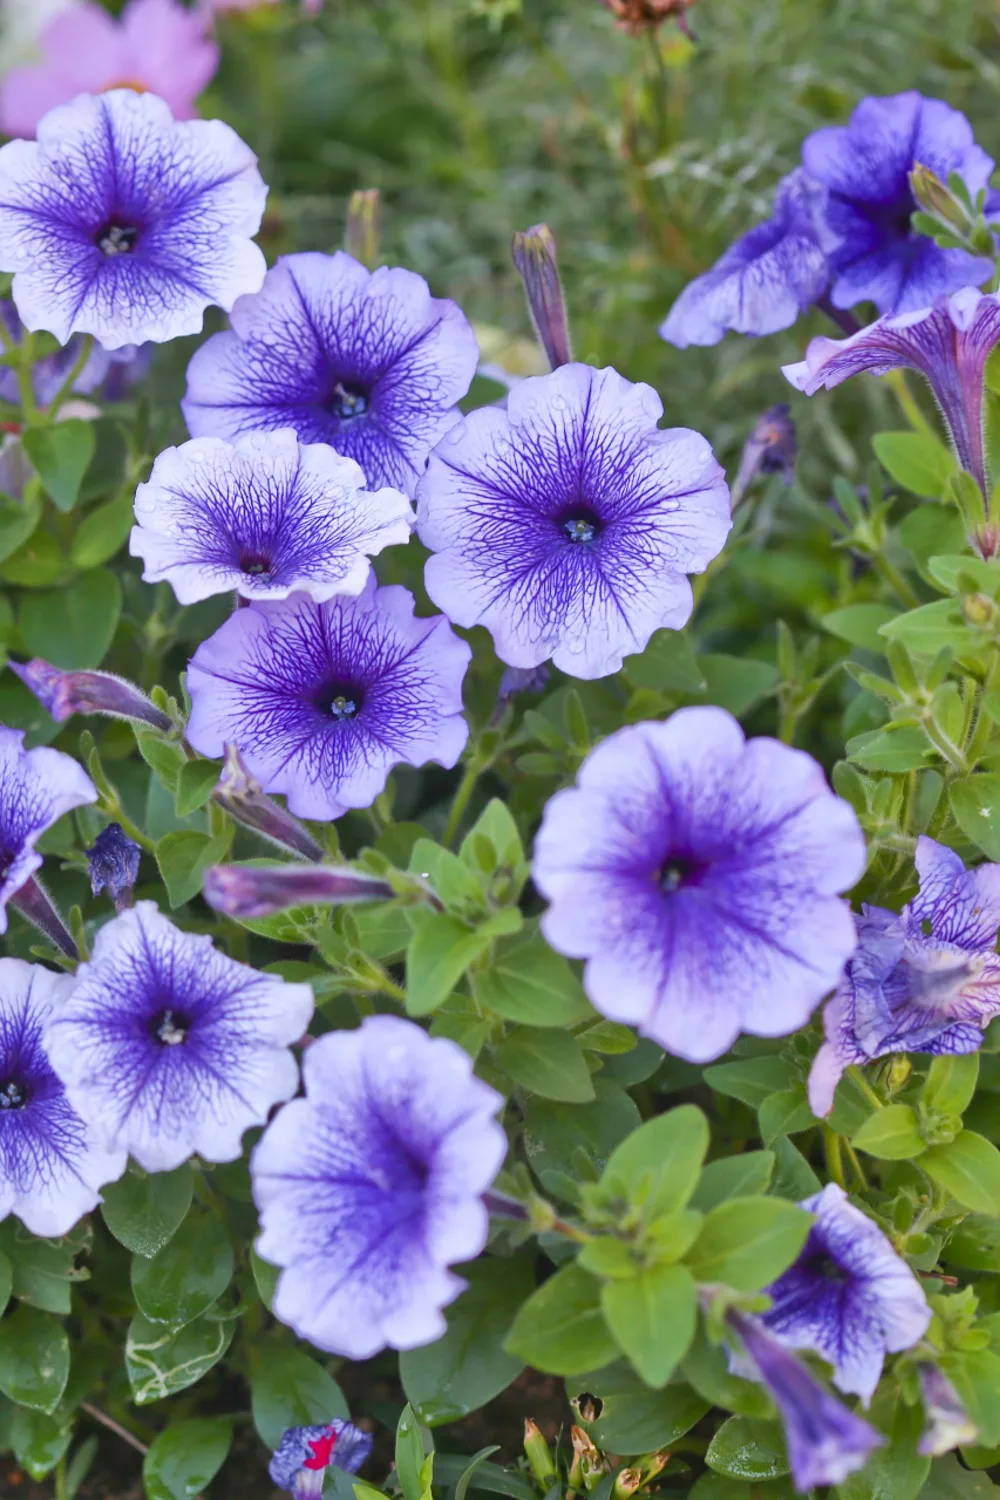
114 865
324 699
67 693
849 1297
168 1048
371 1186
948 343
51 1166
49 373
304 1454
874 254
826 1440
264 517
697 873
368 362
927 980
567 523
126 224
36 788
948 1423
763 281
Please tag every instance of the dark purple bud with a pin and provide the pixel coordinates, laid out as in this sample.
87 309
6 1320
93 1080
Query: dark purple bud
770 449
246 891
32 901
534 252
114 865
948 1422
826 1440
241 796
523 680
67 693
305 1453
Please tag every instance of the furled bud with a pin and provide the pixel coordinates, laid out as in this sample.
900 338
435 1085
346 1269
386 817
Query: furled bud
67 693
242 797
257 891
539 1454
948 1422
534 252
937 199
361 237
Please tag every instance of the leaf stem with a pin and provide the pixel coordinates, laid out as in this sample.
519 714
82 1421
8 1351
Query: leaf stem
73 374
861 1083
834 1162
115 1427
466 786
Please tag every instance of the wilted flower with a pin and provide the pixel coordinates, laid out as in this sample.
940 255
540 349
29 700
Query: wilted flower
114 865
324 699
371 1186
51 1166
36 788
638 16
157 46
304 1454
567 523
258 891
68 693
125 223
948 1423
368 362
927 980
770 449
168 1048
697 873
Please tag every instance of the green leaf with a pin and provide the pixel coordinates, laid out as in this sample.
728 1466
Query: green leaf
195 784
891 1134
73 627
736 683
895 750
289 1389
793 1176
18 520
183 859
667 665
975 1245
968 1168
34 1358
951 1082
557 1135
949 1481
144 1212
467 1366
659 1164
859 624
751 1080
165 758
975 801
718 1487
440 951
160 1362
948 570
6 1280
652 1317
975 1374
784 1113
185 1457
633 1418
706 1368
44 1270
38 1440
38 564
529 983
748 1448
925 631
741 1176
897 1471
547 1062
462 1487
265 1278
561 1329
449 876
409 1455
60 456
188 1275
102 533
918 461
495 824
747 1242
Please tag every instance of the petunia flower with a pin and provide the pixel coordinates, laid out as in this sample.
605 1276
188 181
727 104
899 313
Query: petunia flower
114 865
263 516
948 1424
567 524
155 46
50 372
371 1186
927 980
764 280
126 224
874 253
301 1459
698 874
324 699
67 693
167 1047
51 1166
259 891
368 362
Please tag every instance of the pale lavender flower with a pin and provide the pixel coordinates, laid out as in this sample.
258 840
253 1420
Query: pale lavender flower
372 1186
126 224
259 891
263 516
167 1047
36 788
114 865
567 523
324 699
68 693
368 362
51 1165
304 1454
948 1423
697 873
927 980
49 373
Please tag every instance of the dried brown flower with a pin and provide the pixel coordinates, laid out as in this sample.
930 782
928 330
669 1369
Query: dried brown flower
639 16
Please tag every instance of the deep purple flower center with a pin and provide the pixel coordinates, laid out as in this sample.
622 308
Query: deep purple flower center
821 1264
170 1027
580 525
116 239
13 1095
677 871
340 701
347 400
254 564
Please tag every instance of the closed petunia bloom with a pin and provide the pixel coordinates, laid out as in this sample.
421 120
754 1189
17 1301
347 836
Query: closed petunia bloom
168 1048
304 1454
567 524
36 788
125 223
324 699
263 516
51 1165
372 1186
698 874
368 362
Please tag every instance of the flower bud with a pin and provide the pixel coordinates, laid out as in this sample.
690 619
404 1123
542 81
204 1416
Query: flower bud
248 891
937 199
948 1422
114 865
539 1454
361 237
67 693
242 797
638 16
770 449
534 252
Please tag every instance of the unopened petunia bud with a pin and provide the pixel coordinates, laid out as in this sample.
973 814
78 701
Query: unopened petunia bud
114 865
248 891
68 693
304 1454
770 449
937 199
361 236
539 1454
948 1422
240 795
534 252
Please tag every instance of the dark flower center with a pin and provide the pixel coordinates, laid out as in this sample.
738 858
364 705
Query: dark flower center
254 565
822 1264
170 1027
117 239
677 871
339 701
13 1095
580 526
347 400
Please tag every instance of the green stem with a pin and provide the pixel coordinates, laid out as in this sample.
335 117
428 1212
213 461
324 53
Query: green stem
834 1163
897 380
945 746
896 581
72 375
859 1170
861 1083
466 787
60 1479
117 813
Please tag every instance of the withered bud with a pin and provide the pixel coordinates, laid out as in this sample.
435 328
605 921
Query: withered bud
639 16
361 235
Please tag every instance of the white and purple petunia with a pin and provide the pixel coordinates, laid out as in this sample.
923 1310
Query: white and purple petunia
36 788
126 224
368 362
764 280
324 699
567 524
301 1459
263 516
372 1186
51 1165
698 874
849 1297
925 980
874 253
168 1048
947 1423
